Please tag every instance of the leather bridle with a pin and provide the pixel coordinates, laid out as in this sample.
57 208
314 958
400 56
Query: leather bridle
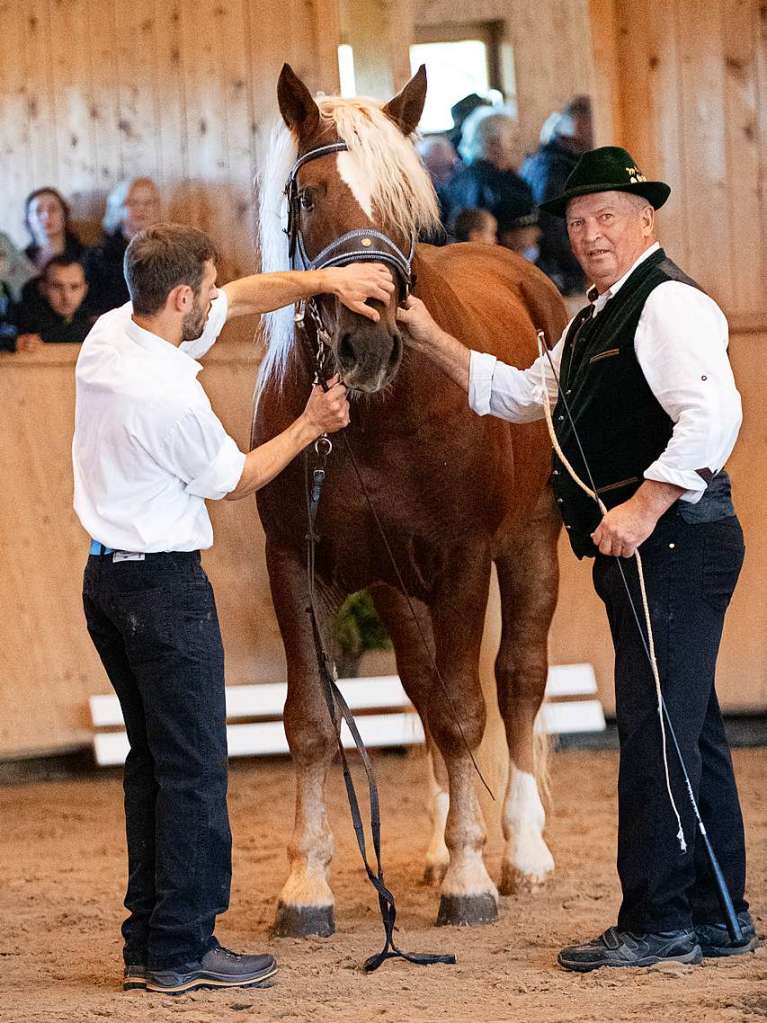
360 245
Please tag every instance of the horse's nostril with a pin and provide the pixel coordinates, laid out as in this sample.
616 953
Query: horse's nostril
346 354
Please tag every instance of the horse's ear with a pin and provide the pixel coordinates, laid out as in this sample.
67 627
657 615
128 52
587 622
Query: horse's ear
407 106
297 106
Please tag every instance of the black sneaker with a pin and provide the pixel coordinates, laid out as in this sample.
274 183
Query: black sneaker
218 968
715 939
624 948
134 977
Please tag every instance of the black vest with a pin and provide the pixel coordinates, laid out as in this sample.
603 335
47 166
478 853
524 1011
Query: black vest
619 422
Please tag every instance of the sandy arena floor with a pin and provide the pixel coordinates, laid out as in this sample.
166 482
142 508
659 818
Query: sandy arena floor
61 849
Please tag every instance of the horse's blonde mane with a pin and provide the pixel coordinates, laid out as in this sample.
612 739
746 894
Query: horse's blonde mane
404 202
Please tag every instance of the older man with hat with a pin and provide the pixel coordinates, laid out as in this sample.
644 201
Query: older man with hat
644 403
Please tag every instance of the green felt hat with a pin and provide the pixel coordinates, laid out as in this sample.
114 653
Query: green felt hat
608 169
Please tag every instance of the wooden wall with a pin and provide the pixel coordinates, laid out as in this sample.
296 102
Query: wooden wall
690 102
95 90
48 667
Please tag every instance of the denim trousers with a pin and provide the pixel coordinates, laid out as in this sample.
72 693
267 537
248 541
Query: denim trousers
155 626
690 570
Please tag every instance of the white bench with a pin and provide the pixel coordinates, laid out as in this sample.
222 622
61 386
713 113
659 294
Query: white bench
387 718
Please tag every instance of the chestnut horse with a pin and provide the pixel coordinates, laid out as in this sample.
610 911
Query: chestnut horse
453 491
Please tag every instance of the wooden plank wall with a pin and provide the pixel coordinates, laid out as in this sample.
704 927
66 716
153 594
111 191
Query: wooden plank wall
692 108
48 667
92 91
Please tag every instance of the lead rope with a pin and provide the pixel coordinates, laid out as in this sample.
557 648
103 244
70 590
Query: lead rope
650 643
335 702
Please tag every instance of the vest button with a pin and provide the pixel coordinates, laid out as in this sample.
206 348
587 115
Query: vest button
555 472
560 500
569 390
567 526
561 419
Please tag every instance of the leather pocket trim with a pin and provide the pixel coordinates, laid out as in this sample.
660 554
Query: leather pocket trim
608 353
618 485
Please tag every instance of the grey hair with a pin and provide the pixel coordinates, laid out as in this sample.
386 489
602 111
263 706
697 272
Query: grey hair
480 127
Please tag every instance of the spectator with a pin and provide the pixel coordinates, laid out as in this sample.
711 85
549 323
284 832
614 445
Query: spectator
132 205
565 135
489 180
460 111
15 268
7 320
46 214
440 159
521 232
475 225
60 315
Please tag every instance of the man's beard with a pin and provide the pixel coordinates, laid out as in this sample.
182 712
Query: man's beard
193 323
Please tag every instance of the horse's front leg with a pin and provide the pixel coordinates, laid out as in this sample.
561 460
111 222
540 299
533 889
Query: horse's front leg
456 716
306 904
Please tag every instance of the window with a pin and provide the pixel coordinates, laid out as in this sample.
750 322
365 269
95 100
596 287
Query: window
461 59
454 69
346 70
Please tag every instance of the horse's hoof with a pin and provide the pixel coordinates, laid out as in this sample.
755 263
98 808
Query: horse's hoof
302 921
467 910
515 882
434 873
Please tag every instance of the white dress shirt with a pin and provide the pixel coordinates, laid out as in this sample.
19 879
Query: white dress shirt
681 346
148 448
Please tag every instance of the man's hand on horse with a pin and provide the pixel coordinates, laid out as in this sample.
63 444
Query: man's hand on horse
419 324
328 411
355 284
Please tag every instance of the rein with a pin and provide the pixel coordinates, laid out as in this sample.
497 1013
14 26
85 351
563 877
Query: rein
338 708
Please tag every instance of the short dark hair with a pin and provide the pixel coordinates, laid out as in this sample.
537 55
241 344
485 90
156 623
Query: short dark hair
161 258
61 260
466 221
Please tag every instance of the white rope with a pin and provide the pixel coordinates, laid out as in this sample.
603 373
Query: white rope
645 605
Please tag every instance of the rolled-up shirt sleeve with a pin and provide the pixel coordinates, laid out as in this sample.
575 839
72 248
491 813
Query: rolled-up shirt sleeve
497 389
199 451
681 346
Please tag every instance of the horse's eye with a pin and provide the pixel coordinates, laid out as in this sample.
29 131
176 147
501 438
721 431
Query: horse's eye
307 200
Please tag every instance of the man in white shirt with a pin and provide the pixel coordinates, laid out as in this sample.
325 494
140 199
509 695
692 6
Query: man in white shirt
645 405
148 450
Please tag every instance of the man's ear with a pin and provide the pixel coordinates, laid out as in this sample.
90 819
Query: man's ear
180 299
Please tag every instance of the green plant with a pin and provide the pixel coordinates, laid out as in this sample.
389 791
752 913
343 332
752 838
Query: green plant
358 628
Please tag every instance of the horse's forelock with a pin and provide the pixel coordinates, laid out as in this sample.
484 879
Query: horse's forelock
401 191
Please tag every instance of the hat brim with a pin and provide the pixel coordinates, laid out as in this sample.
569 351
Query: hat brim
655 192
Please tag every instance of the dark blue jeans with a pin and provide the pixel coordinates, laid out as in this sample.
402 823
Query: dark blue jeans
155 626
690 569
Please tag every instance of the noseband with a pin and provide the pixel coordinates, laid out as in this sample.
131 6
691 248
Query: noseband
361 245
